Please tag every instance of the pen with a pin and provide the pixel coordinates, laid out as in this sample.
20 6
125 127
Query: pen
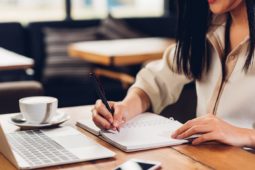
101 93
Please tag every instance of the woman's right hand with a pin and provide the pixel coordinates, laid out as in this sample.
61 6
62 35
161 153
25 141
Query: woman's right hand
105 120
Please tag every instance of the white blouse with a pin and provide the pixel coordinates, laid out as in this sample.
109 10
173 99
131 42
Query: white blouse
232 100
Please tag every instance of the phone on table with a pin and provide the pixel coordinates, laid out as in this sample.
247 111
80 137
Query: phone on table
137 164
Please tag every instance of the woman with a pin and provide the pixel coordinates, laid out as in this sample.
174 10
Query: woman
215 48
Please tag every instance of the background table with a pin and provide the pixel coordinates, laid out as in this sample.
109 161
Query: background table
124 52
120 52
13 61
207 156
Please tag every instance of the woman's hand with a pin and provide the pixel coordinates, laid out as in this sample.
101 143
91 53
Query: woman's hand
136 102
212 128
105 120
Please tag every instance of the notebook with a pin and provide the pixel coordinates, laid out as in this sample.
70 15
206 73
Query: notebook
145 131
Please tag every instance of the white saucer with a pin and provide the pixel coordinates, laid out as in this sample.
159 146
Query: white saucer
58 118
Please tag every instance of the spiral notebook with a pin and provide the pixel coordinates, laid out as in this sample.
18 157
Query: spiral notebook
145 131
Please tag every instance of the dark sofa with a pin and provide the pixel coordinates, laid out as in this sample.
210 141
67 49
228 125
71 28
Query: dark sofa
151 27
13 36
73 87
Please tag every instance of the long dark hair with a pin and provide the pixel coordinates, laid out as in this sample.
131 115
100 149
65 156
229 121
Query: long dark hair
192 54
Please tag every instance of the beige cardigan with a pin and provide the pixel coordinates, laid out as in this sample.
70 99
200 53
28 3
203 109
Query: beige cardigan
232 100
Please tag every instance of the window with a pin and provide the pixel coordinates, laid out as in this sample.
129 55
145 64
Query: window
25 11
82 9
31 10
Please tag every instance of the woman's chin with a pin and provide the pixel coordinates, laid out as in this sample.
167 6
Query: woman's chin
216 10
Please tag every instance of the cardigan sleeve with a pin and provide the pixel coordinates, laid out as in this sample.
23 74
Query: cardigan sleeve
161 82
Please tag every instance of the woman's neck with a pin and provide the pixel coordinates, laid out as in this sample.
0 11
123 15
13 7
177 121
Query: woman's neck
239 15
239 28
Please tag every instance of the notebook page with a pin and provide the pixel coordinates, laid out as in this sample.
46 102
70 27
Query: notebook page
89 125
145 131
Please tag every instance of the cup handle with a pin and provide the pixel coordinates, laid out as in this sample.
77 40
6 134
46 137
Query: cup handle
48 112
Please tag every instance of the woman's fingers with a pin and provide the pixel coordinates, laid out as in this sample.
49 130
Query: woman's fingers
100 121
103 111
118 117
191 123
107 120
204 138
185 127
196 129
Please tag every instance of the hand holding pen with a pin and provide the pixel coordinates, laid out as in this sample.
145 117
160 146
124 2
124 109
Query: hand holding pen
106 115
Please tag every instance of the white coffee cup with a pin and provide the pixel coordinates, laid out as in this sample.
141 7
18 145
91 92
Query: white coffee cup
38 109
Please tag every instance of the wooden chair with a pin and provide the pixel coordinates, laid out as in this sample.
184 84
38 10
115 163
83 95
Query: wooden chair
125 79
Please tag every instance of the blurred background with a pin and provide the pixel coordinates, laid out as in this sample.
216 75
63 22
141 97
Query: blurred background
35 40
25 11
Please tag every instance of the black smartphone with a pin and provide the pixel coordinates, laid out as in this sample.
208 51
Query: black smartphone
137 164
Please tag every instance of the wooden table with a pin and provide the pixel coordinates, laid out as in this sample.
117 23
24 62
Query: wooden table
124 52
13 61
208 156
120 52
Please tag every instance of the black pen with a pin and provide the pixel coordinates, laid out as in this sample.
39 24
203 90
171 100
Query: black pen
101 94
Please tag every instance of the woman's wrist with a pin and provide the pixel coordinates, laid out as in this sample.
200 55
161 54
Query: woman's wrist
136 102
250 138
244 137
